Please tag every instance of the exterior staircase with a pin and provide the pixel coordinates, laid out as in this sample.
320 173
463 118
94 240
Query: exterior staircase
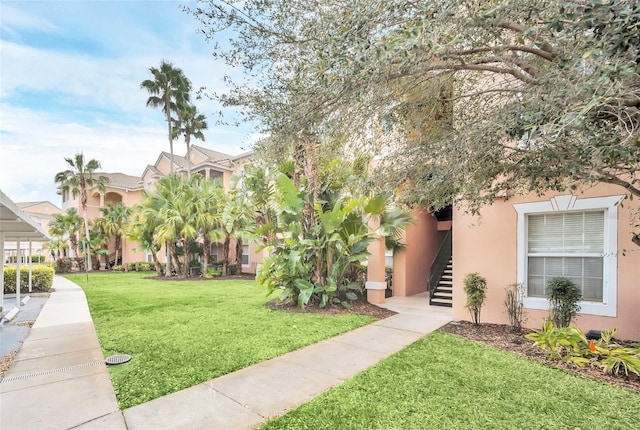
442 294
441 279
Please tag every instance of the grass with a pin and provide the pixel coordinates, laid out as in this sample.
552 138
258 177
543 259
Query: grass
447 382
181 333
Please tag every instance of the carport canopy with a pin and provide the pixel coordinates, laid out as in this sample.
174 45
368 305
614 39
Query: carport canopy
15 226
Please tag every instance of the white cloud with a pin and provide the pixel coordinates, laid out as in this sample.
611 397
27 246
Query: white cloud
79 89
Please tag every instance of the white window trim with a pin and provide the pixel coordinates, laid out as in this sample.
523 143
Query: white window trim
248 254
568 203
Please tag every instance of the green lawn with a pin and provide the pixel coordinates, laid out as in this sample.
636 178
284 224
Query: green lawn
181 333
446 382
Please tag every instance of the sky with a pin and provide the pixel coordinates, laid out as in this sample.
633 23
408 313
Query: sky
70 74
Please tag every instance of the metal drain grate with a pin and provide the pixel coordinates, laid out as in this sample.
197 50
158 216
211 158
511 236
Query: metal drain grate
118 359
51 372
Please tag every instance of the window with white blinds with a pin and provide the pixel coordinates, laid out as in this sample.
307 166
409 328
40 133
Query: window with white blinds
568 244
245 255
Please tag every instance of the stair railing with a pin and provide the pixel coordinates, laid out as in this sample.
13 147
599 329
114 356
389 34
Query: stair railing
439 263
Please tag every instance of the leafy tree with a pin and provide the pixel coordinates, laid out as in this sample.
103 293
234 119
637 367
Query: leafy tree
169 89
115 218
79 179
189 123
475 99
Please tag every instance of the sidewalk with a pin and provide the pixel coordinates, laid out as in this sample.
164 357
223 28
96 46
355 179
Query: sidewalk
58 379
82 396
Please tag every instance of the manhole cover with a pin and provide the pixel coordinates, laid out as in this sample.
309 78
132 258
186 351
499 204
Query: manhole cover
118 359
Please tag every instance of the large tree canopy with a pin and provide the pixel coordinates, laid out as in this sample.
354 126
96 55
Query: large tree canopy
467 99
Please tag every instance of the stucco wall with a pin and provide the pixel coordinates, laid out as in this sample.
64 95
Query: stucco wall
488 245
411 267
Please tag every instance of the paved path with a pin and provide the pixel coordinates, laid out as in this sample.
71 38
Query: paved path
82 396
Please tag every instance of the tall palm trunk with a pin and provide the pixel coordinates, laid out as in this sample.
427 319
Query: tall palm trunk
167 103
118 246
206 251
87 264
187 139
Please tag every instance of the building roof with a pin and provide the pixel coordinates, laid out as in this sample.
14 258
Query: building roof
211 154
122 181
17 225
24 205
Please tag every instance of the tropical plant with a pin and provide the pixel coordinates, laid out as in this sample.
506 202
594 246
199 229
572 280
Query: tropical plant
67 224
208 219
79 179
563 295
169 90
98 243
115 219
189 123
571 345
57 247
174 208
311 261
142 229
474 287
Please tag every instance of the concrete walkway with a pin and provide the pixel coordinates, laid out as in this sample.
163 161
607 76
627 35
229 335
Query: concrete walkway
81 395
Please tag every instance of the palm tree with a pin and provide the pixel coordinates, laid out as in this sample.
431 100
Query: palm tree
143 230
169 89
67 224
209 216
57 247
189 123
79 179
115 221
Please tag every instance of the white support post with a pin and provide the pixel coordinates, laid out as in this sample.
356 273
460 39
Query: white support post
2 269
18 258
30 263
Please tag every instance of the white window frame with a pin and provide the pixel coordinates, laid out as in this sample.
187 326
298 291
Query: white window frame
248 254
570 203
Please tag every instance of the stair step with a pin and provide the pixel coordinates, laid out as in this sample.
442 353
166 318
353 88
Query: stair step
447 288
440 303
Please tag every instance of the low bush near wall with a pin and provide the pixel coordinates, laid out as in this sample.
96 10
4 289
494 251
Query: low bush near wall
67 264
41 279
141 266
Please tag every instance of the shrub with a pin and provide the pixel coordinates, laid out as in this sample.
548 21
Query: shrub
563 295
514 305
41 279
475 286
141 266
232 269
64 265
79 261
118 268
212 273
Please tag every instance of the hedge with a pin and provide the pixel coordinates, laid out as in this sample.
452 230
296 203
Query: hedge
34 259
41 279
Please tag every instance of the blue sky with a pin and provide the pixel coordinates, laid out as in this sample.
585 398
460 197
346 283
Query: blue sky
70 74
